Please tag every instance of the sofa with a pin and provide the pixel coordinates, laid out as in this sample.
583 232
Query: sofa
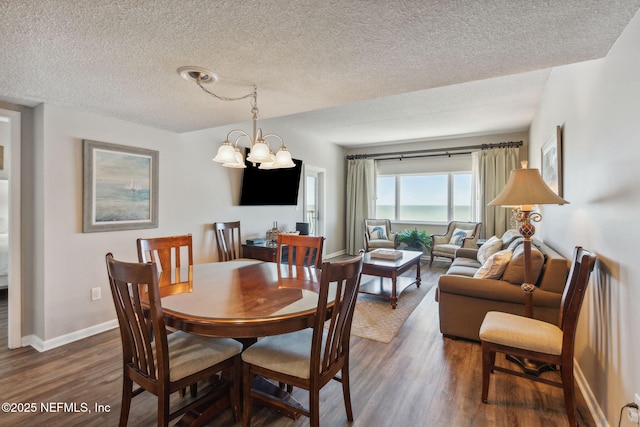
464 299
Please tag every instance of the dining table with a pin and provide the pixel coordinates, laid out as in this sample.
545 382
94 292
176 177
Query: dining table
244 300
240 299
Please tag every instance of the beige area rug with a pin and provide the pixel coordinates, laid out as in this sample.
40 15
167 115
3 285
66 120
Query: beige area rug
374 318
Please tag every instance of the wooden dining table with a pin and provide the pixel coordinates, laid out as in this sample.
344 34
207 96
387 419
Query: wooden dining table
244 300
240 299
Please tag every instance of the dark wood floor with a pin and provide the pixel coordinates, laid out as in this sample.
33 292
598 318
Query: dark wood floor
419 379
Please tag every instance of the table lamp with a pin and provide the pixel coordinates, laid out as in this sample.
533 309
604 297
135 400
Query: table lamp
524 190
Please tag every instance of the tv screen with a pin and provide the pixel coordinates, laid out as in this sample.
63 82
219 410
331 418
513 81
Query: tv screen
270 186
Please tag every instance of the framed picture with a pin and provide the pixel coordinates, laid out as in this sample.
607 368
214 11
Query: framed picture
552 161
120 187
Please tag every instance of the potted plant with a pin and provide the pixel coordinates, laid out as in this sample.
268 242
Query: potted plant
414 239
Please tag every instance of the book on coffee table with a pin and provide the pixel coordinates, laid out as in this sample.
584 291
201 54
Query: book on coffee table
386 254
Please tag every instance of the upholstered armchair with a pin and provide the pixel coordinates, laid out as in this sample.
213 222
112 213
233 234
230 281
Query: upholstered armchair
458 235
378 234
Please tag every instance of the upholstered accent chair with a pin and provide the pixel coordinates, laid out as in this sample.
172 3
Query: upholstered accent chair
378 234
458 235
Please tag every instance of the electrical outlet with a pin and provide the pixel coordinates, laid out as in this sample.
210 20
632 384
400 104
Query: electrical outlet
632 413
96 294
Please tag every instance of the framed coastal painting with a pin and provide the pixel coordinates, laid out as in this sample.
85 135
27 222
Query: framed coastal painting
552 161
120 187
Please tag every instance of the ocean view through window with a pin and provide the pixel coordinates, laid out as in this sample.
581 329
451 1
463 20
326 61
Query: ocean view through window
438 197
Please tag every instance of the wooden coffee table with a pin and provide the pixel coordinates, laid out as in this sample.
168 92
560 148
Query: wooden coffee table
388 283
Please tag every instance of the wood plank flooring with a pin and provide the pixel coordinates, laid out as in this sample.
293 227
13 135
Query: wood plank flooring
419 379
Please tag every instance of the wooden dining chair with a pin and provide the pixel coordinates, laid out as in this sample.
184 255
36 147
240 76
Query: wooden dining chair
228 241
309 358
162 363
167 252
536 340
303 251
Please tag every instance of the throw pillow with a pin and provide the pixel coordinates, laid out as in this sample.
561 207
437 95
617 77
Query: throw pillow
509 236
488 248
458 236
377 232
514 273
495 265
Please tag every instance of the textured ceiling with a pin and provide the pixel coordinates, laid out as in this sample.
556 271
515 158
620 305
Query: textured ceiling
361 71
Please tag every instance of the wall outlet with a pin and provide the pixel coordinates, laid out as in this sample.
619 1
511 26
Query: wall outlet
96 293
632 413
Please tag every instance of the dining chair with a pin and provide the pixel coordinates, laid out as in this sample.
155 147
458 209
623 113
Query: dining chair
163 363
167 252
299 250
228 241
309 358
536 340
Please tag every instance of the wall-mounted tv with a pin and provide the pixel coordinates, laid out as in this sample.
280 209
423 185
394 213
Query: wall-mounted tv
270 186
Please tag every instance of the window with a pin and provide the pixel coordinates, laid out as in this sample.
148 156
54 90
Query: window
437 197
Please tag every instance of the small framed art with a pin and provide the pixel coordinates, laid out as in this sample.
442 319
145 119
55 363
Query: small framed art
552 161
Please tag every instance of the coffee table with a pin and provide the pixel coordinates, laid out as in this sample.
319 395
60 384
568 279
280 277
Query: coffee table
387 282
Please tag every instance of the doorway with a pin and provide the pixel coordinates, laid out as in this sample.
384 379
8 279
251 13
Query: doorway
10 254
314 206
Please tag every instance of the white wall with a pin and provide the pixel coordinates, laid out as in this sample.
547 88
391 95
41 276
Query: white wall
194 192
597 103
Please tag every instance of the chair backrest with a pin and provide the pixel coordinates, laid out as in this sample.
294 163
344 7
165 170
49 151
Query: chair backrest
301 250
139 331
166 251
328 349
228 241
573 295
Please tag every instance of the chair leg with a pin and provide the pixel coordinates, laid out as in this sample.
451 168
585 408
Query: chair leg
431 259
236 388
163 408
127 394
488 360
247 382
568 389
314 407
346 392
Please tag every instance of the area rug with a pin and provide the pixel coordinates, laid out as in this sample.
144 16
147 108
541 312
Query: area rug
374 318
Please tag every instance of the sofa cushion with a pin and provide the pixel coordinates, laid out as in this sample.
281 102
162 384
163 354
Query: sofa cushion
377 232
514 272
458 236
494 266
488 248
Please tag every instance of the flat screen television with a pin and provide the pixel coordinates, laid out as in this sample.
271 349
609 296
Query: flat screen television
270 186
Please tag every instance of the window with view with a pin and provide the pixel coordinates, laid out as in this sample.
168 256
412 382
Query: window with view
437 197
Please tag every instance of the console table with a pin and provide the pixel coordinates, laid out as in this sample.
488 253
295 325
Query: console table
263 252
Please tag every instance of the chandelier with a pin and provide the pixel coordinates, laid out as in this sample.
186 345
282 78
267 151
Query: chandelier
229 153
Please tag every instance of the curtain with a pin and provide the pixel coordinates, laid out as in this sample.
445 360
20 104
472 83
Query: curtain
491 169
361 193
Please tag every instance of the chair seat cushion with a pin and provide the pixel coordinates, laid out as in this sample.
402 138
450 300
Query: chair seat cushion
445 250
521 332
189 353
287 353
381 243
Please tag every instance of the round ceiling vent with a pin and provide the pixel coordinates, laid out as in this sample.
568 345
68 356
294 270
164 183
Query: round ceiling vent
192 74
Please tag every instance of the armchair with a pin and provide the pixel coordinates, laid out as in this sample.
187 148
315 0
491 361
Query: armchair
378 234
445 245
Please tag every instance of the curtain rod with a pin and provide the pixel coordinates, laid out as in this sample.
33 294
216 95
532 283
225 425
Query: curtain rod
434 152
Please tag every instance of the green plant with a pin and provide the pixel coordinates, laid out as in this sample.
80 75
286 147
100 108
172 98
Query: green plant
415 239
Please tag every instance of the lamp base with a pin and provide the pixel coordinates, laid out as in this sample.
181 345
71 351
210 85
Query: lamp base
531 367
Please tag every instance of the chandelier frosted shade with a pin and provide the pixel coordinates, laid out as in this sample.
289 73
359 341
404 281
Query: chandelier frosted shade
226 153
283 159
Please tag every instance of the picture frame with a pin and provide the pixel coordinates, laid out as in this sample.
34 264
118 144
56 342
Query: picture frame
120 187
551 169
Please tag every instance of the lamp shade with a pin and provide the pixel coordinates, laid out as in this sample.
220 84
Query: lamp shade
525 187
283 158
225 154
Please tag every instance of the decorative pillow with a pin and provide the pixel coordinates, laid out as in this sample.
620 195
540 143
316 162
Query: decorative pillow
495 265
458 236
515 243
514 273
377 232
488 248
509 236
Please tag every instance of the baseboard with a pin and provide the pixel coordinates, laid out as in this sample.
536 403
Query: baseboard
335 254
40 345
595 410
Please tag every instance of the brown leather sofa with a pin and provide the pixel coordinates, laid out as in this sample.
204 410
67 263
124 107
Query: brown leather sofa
463 300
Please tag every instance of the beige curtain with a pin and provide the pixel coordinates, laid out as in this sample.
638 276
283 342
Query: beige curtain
491 169
361 193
